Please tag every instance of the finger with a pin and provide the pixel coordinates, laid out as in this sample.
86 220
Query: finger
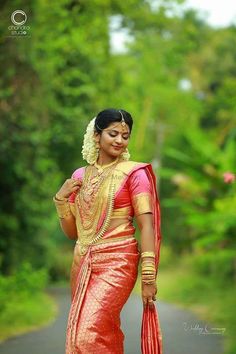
144 301
76 183
150 302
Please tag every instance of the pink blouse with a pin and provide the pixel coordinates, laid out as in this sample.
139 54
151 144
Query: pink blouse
135 193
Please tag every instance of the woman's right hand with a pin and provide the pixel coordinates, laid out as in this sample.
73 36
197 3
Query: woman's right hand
71 185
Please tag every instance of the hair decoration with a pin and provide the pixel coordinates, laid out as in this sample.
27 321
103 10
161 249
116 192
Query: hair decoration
122 120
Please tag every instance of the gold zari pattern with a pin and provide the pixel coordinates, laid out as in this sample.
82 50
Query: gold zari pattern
142 203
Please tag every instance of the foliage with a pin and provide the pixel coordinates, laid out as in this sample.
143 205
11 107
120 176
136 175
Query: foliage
57 79
24 283
22 301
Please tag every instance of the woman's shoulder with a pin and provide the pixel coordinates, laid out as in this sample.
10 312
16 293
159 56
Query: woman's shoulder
131 166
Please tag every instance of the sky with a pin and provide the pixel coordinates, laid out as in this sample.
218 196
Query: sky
218 13
221 13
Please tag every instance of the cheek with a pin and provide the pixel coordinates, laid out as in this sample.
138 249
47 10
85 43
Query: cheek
107 140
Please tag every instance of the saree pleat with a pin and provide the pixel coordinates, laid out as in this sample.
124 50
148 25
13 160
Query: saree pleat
106 277
151 337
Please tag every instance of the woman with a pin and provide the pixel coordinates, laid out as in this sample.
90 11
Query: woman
96 207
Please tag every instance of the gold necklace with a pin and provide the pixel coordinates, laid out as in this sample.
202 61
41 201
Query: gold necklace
93 183
102 167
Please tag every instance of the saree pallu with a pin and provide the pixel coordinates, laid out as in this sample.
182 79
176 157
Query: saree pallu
100 286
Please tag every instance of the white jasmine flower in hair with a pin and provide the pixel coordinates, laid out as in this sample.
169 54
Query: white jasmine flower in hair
89 152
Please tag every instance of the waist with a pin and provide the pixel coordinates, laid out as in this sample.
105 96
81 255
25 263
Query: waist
111 239
83 247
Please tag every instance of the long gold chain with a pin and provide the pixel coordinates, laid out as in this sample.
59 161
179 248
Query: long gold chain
90 208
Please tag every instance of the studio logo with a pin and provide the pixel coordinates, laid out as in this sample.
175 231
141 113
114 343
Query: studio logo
15 19
19 18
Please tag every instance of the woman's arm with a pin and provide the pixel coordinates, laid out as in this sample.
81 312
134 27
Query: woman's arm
145 224
65 209
68 226
141 193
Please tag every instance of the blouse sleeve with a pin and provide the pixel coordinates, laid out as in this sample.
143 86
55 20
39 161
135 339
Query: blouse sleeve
140 192
76 174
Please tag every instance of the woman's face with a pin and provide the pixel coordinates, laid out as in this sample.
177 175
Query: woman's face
114 139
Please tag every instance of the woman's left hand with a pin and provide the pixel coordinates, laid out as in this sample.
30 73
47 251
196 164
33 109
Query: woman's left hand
149 294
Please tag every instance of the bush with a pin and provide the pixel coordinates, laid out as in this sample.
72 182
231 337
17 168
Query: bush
219 264
23 284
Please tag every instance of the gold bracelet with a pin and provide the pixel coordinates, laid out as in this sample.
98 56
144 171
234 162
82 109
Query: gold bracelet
148 266
147 276
144 260
148 273
63 208
148 254
59 198
148 269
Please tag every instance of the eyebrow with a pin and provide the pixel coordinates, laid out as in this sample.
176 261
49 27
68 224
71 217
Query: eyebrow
116 131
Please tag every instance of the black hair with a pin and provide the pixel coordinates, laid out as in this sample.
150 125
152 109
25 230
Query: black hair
111 115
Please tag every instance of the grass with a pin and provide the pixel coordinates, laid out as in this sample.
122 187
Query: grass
27 314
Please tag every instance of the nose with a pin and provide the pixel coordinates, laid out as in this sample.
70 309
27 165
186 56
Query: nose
118 139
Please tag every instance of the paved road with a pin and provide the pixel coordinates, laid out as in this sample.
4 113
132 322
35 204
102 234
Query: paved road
180 328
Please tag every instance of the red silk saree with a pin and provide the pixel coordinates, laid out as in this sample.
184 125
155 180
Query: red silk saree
102 280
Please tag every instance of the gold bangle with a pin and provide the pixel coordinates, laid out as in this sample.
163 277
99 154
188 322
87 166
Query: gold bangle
58 197
148 262
148 254
148 267
148 273
63 208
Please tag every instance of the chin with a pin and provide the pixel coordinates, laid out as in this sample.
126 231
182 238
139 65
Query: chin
114 153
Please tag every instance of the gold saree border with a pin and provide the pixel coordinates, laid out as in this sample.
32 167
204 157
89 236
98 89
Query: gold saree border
142 203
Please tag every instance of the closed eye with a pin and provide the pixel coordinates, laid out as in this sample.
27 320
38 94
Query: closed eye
124 137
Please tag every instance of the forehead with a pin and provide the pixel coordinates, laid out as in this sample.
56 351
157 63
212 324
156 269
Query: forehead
118 127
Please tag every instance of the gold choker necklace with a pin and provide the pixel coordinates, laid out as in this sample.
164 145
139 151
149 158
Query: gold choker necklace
102 167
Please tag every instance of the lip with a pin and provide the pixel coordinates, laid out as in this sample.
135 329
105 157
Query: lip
117 147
